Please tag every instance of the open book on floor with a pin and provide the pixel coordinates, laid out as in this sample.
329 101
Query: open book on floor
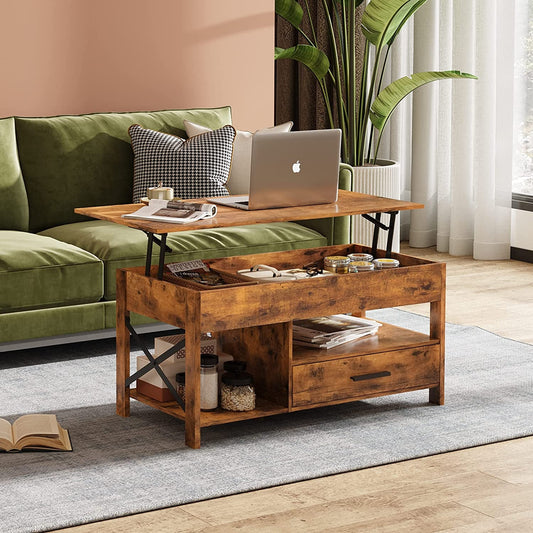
34 432
174 211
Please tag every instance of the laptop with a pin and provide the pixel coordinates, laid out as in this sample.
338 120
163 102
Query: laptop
290 169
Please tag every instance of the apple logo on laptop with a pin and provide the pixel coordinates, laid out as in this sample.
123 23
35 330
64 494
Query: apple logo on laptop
296 167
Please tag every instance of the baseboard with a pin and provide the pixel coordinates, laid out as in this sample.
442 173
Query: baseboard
80 337
520 254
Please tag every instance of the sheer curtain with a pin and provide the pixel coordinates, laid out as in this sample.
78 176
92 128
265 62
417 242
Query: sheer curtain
458 158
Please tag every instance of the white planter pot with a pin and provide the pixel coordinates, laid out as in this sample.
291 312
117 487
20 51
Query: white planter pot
380 180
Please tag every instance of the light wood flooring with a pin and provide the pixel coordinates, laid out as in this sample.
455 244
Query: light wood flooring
488 488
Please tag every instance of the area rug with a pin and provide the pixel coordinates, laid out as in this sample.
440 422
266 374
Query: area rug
122 466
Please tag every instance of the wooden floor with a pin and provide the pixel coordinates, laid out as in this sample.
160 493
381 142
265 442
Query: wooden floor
488 488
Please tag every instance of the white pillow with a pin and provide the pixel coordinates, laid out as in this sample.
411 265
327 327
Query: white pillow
239 177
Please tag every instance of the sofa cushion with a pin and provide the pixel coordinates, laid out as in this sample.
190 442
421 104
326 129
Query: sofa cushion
14 214
86 160
120 247
38 272
196 168
239 177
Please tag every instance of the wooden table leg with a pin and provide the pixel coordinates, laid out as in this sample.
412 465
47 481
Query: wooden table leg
123 348
437 330
192 374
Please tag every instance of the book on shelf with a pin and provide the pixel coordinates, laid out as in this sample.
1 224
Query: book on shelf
330 331
177 212
34 432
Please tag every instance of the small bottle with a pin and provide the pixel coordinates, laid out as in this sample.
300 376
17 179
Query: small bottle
338 264
208 382
180 385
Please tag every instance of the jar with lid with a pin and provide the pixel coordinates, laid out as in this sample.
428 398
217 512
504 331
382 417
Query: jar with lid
385 262
352 267
362 266
208 382
237 391
361 256
180 385
338 264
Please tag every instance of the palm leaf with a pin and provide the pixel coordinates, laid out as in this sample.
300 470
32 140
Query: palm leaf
291 11
389 98
311 57
383 19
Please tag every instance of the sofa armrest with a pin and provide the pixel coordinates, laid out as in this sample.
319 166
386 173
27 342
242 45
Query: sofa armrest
337 230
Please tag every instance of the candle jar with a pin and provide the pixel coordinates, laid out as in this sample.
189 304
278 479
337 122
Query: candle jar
362 266
338 264
386 262
208 382
160 192
361 256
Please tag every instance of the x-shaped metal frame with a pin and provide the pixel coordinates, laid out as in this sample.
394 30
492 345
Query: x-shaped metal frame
162 243
154 363
376 220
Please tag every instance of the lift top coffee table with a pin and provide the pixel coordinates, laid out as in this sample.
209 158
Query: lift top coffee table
253 321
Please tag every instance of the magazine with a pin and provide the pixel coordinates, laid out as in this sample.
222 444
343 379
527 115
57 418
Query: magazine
174 211
196 270
329 331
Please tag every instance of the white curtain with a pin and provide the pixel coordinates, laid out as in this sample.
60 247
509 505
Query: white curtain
458 159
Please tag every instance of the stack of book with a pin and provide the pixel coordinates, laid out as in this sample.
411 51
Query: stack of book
329 331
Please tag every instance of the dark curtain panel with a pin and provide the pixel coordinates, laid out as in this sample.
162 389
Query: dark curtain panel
297 94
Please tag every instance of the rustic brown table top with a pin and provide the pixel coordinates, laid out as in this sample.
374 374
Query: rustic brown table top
348 203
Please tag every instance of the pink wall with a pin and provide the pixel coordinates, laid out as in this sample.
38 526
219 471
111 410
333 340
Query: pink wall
84 56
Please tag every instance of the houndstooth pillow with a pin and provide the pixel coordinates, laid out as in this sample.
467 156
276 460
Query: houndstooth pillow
194 168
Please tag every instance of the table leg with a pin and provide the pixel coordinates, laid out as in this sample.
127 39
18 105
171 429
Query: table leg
192 382
123 348
437 329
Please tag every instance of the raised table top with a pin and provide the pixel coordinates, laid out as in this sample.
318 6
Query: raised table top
348 203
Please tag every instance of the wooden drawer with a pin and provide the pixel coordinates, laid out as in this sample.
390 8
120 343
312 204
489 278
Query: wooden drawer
365 376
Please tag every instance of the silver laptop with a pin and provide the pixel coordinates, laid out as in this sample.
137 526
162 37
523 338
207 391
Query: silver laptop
291 169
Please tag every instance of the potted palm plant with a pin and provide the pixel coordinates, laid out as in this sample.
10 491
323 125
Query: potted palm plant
363 107
361 116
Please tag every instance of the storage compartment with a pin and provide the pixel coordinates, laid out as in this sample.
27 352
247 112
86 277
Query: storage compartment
228 279
361 376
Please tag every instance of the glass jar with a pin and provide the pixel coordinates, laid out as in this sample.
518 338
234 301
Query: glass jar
385 262
362 266
361 257
208 382
338 264
237 392
352 267
180 385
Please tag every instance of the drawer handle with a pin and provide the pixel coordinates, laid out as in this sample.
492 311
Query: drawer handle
364 377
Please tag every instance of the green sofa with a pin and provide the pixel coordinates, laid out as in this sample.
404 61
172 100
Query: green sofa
57 269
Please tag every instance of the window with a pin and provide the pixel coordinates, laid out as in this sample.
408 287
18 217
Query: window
523 160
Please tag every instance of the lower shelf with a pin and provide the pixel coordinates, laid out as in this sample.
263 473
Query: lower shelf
213 418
